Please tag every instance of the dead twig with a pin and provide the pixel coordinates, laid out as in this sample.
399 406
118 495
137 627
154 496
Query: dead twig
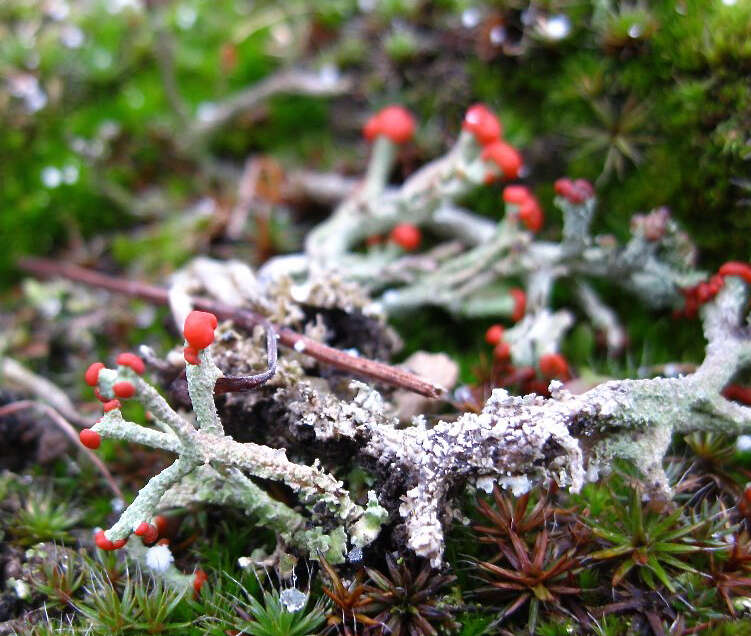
68 429
243 318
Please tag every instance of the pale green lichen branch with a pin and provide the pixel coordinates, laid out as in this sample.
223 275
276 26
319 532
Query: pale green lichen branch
204 450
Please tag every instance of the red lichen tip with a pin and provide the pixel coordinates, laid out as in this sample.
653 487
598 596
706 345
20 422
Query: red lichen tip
198 580
407 236
506 157
494 335
516 194
483 124
111 405
520 303
574 191
716 283
191 355
142 529
90 439
161 524
736 268
371 128
703 292
104 543
502 351
133 361
530 213
738 393
394 122
553 365
199 329
92 373
124 389
147 532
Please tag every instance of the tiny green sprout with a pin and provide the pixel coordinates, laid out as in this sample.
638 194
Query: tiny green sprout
43 517
136 605
57 573
639 538
267 611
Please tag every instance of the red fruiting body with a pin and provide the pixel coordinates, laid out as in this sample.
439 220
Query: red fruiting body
191 355
738 393
716 283
563 187
371 128
691 305
554 365
536 386
494 335
575 191
744 503
483 124
90 439
102 541
199 329
142 529
583 190
111 405
147 532
133 361
703 293
520 303
397 124
502 351
394 122
516 194
92 373
407 236
99 396
530 213
506 157
200 578
161 525
736 268
124 389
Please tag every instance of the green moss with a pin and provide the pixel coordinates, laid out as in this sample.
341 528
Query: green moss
690 75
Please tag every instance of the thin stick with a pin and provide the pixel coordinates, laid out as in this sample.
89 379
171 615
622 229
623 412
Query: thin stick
68 429
243 318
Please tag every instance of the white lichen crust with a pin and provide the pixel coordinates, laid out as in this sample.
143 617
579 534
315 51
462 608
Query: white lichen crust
518 442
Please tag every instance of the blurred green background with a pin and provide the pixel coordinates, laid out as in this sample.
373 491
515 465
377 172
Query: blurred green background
650 99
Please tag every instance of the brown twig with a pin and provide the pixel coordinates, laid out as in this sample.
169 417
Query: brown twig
69 431
243 318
